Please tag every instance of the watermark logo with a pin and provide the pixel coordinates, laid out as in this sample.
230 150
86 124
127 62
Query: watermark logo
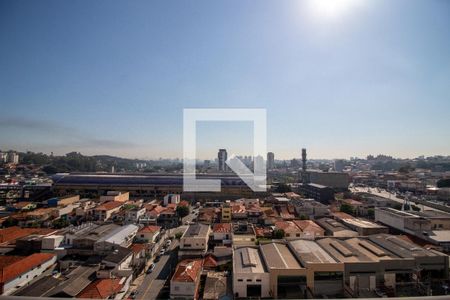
256 180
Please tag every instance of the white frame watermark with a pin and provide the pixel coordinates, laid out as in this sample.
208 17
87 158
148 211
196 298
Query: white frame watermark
255 180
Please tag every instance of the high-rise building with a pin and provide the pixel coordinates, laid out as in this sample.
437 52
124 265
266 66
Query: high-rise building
3 157
339 165
270 160
13 158
222 158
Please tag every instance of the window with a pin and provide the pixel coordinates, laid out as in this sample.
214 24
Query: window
240 280
258 280
249 280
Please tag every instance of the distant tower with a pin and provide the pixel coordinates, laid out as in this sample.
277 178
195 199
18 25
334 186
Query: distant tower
304 160
305 179
222 157
270 160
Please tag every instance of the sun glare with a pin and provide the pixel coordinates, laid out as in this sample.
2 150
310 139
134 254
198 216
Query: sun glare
331 9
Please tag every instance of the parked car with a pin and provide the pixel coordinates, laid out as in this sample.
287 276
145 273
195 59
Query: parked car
151 268
162 252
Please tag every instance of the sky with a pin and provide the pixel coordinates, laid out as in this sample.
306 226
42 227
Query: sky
341 78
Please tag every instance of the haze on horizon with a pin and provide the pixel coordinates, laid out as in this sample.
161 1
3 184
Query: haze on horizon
346 79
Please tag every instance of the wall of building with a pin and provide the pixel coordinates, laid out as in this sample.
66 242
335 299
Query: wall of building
23 279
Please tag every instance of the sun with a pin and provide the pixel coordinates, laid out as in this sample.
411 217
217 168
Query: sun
331 9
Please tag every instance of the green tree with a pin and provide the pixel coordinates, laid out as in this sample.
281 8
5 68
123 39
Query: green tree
443 183
182 211
346 208
278 233
283 188
60 223
10 222
178 235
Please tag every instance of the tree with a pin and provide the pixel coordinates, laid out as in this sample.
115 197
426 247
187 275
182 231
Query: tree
178 235
443 183
60 223
304 217
346 208
182 211
10 222
283 188
278 234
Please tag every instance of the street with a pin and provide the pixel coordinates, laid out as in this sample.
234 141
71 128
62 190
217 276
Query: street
154 282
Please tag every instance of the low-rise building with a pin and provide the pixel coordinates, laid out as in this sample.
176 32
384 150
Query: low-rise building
117 196
194 241
222 233
104 211
310 208
17 271
186 279
171 199
149 233
430 226
250 277
318 192
134 215
226 211
121 236
362 226
335 228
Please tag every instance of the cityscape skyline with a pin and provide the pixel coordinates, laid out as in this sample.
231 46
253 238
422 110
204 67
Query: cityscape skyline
348 81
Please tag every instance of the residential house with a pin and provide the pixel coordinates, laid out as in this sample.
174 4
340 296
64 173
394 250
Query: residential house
222 233
149 233
186 280
104 211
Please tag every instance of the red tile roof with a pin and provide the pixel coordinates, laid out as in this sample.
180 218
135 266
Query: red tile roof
238 208
183 203
287 226
222 227
188 270
309 226
342 215
136 248
13 266
210 262
109 205
352 202
150 229
11 234
101 289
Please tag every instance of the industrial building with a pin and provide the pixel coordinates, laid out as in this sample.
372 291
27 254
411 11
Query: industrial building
335 267
143 185
431 225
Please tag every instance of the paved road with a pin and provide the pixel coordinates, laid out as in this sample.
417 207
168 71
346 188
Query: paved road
154 282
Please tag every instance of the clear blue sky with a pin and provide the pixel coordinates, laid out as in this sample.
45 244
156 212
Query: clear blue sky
113 77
